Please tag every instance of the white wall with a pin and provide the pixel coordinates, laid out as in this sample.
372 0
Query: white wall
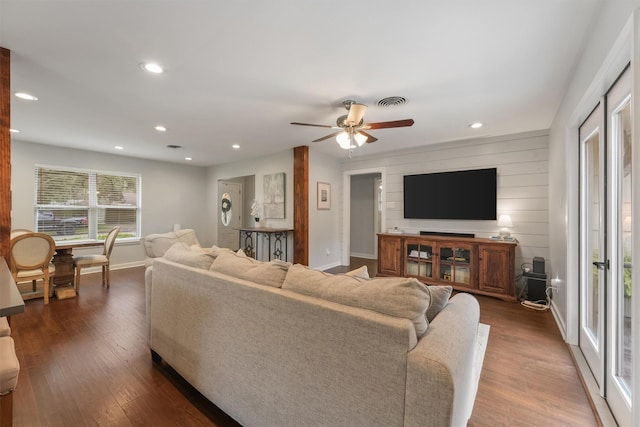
279 162
166 189
325 226
595 72
522 163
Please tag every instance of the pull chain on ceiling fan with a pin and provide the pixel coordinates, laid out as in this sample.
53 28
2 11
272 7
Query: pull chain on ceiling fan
352 129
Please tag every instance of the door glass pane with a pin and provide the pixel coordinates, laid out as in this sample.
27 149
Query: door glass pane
594 227
624 368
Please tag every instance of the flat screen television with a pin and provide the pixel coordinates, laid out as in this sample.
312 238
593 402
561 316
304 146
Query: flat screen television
467 194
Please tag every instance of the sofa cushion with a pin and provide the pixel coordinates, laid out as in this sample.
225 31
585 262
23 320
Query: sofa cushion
439 300
395 296
270 273
362 272
193 256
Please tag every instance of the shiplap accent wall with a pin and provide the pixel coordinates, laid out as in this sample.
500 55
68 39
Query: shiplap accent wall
522 167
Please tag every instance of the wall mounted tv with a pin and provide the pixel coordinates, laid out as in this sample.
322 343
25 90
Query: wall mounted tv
467 194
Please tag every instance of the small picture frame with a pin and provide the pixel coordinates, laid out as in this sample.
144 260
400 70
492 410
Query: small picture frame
324 196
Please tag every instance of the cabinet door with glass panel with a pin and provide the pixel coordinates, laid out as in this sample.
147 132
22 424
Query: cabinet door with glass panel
455 266
419 259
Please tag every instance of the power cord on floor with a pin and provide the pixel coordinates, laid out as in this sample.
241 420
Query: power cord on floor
539 305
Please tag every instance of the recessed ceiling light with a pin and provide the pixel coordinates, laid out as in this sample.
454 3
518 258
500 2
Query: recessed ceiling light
236 146
14 131
27 96
475 125
188 158
152 67
118 147
160 128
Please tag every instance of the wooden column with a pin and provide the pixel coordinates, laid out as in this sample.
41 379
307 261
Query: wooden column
5 152
301 205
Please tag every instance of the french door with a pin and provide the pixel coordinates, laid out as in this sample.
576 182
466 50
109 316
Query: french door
593 256
605 247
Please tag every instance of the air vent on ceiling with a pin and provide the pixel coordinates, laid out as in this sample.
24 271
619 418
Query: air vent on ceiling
174 146
392 101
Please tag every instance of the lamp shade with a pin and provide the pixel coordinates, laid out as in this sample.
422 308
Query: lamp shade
505 221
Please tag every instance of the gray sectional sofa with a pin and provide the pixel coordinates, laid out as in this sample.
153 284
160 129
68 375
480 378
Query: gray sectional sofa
278 345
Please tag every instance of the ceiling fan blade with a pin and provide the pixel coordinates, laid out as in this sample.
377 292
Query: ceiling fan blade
356 113
310 124
385 125
328 136
370 138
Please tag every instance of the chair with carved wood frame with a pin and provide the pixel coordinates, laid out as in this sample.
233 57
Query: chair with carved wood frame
30 257
83 261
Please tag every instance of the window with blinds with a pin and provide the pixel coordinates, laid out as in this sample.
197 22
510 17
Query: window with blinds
76 204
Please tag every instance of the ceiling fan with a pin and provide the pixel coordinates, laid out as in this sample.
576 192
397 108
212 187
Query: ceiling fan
351 129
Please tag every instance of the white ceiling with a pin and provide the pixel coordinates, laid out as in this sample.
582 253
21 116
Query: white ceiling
241 71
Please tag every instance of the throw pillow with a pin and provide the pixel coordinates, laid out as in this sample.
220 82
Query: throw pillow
439 300
403 297
188 236
215 251
193 256
270 273
361 272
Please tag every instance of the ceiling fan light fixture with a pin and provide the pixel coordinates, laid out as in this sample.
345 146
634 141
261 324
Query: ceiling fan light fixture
360 139
344 140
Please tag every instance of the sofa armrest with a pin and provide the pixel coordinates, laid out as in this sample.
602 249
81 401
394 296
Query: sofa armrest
155 245
440 380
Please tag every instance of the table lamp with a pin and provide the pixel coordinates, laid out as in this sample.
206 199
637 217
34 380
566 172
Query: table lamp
505 222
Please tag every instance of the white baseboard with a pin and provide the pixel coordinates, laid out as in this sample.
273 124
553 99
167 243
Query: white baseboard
122 266
327 266
365 256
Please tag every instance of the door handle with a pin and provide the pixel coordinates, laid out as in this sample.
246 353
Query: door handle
601 265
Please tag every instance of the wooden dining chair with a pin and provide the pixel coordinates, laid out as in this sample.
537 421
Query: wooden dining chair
102 260
30 257
18 231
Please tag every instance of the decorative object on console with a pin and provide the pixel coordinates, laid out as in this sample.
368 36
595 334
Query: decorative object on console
324 196
256 211
274 195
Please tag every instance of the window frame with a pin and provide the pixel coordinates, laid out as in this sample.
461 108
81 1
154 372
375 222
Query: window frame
92 205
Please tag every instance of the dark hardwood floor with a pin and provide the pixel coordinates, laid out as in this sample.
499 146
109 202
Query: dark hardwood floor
84 361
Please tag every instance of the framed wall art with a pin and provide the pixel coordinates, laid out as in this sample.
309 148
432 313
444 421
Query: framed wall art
274 195
324 196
